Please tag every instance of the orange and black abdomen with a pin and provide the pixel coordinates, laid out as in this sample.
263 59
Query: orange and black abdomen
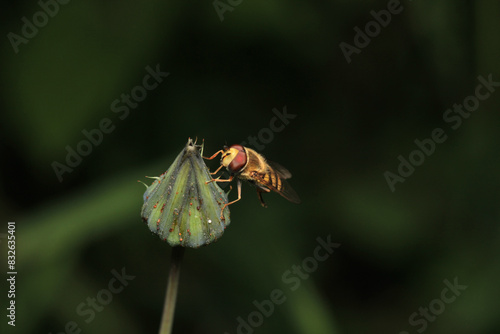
274 182
272 178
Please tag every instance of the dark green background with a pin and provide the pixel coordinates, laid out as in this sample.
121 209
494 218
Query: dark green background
352 122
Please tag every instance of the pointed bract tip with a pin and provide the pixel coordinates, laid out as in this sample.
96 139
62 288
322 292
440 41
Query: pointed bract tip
143 183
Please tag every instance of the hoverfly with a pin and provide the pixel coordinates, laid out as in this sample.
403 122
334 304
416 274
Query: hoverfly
246 164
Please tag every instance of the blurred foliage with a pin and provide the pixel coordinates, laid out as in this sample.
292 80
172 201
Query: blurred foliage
352 122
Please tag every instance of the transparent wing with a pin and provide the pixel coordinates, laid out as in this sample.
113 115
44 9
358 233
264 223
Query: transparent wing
280 170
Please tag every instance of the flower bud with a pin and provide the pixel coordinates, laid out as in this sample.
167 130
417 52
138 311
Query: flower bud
181 207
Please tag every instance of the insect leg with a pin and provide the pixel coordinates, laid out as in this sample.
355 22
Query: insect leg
218 169
259 195
236 200
213 156
219 180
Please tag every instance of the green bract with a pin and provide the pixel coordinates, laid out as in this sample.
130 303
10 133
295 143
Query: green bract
180 207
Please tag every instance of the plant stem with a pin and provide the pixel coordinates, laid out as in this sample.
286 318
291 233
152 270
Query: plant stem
171 296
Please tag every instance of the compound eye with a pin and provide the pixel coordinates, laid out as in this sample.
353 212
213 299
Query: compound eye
238 147
239 161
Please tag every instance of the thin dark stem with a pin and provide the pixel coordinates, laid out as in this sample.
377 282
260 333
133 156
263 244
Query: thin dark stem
171 296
